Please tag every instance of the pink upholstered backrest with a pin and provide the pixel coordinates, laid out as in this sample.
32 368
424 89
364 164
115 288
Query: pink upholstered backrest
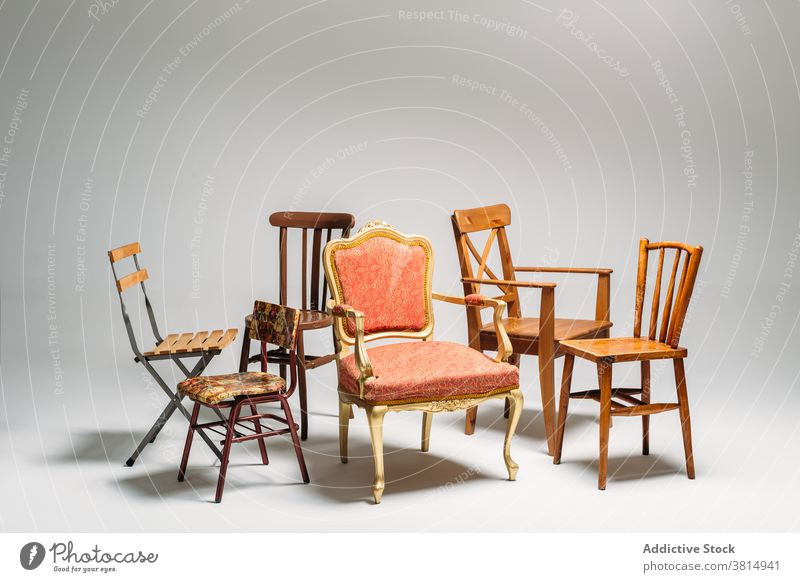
385 275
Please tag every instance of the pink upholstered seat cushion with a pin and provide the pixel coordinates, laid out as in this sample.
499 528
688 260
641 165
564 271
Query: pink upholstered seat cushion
385 279
422 371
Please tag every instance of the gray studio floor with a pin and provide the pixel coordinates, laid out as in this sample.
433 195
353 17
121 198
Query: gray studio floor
67 471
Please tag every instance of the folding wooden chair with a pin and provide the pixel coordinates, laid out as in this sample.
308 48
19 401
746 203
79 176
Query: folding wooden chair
203 345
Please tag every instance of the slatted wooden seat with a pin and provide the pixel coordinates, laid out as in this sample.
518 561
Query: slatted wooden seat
661 343
175 347
193 343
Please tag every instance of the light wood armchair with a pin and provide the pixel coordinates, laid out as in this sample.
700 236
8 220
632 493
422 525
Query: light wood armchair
534 336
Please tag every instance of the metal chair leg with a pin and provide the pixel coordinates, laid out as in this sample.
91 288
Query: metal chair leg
226 450
151 435
188 445
295 440
262 446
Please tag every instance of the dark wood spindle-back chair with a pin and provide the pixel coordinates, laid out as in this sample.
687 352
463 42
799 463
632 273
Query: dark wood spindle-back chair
660 342
314 290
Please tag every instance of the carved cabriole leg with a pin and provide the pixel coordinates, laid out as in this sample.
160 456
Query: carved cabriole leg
686 427
563 406
646 399
514 360
515 402
375 416
427 418
345 410
604 378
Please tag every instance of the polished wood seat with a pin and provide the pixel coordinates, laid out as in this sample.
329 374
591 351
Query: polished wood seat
309 320
622 349
525 330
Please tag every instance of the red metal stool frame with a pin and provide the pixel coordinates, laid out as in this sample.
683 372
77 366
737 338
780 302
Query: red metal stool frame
273 324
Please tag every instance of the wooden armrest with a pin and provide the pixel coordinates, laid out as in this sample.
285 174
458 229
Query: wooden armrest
504 283
504 349
359 349
577 270
473 300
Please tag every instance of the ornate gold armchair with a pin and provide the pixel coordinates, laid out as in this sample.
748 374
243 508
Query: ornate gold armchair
380 284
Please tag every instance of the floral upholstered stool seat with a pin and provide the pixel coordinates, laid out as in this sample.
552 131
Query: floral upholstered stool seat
214 389
423 371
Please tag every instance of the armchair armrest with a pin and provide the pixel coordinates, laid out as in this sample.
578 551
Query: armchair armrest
602 311
505 283
577 270
504 349
359 349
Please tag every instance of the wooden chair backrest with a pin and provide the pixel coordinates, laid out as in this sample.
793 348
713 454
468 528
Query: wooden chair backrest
317 223
494 219
139 276
676 301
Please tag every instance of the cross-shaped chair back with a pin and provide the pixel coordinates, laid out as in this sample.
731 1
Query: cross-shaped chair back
683 272
474 263
387 276
313 295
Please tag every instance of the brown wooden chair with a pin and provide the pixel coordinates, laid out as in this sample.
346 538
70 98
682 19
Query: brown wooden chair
656 346
313 295
537 336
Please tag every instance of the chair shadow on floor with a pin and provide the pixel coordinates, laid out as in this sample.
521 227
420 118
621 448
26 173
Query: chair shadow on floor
530 428
633 467
94 447
408 470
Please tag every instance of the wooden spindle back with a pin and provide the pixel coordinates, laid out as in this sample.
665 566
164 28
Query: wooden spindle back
314 295
672 290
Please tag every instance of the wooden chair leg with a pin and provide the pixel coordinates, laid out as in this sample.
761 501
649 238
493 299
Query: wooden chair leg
427 420
375 416
686 427
226 450
547 383
188 446
604 378
262 446
563 406
287 410
646 399
471 419
515 401
345 410
302 387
